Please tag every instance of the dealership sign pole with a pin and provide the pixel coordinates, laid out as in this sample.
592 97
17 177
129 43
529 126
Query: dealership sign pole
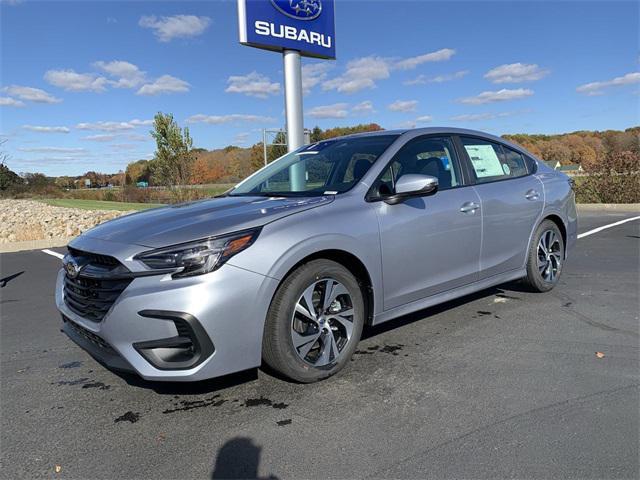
296 28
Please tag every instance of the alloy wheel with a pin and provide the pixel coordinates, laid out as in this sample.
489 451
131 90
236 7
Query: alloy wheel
322 322
549 256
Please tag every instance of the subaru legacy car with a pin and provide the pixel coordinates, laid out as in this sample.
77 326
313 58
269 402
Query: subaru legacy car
290 265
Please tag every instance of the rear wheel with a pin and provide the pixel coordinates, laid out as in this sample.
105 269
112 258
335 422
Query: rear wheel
314 322
545 258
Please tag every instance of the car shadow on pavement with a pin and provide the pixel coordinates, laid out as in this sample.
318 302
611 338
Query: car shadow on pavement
191 388
238 458
4 281
505 291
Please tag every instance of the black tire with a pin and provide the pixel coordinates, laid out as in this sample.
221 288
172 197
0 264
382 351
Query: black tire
278 350
538 278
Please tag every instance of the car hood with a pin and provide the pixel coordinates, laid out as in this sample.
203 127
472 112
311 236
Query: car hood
161 227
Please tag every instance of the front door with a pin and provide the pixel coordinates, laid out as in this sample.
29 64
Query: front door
428 244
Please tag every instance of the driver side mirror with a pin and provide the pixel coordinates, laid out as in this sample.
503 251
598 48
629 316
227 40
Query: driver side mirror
412 185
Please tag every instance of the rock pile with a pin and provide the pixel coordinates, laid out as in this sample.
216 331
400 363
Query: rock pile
22 220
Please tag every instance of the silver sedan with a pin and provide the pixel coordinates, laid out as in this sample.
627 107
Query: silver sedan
292 263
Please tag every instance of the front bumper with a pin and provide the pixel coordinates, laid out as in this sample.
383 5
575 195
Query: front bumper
228 307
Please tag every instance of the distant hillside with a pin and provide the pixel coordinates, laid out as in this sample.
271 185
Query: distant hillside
586 148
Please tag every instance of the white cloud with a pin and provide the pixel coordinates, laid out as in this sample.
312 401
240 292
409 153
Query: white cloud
253 84
424 79
414 123
105 126
405 124
51 150
413 62
337 110
11 2
123 146
137 122
100 137
10 102
127 74
76 82
313 74
363 72
360 73
363 108
234 117
241 138
403 106
30 94
176 26
475 117
134 137
41 129
164 84
516 73
116 131
597 88
499 96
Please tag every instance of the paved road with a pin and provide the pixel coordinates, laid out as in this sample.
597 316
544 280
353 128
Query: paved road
500 384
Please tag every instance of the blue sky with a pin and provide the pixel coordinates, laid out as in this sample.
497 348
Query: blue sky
82 80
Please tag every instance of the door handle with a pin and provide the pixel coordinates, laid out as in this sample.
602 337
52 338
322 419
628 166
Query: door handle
469 207
532 195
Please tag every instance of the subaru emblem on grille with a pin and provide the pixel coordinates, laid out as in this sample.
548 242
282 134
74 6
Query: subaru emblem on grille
71 266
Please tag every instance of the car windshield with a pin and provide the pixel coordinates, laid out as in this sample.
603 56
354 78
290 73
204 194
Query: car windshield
323 168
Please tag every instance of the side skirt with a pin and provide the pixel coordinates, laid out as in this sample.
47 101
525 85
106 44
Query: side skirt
448 295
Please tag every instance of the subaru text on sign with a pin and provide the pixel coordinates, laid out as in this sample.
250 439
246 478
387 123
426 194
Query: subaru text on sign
306 26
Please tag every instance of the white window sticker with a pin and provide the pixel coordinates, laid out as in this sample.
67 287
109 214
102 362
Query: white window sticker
485 161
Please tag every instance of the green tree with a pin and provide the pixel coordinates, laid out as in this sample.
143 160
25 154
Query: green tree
8 177
173 158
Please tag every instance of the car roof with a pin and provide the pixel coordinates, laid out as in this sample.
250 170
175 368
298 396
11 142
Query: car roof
443 131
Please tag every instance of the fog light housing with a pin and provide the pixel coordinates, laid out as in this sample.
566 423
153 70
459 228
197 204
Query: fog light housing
189 348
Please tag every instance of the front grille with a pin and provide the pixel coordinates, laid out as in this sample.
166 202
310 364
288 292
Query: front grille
101 281
94 258
88 335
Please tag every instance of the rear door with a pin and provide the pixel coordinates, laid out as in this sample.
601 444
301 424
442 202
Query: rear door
429 244
511 203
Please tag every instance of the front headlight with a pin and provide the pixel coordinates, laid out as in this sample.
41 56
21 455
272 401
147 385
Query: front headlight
200 256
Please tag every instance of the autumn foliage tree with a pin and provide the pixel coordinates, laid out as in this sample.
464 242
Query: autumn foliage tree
581 148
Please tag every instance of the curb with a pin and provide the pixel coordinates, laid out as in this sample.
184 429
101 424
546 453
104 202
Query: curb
611 207
34 244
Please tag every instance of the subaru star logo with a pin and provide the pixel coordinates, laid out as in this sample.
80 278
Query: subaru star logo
299 9
71 266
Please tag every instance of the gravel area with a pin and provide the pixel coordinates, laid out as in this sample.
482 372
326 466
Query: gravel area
22 220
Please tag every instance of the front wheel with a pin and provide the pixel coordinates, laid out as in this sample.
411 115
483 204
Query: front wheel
545 258
314 322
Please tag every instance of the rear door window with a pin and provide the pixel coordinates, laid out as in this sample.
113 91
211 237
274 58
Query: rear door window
490 161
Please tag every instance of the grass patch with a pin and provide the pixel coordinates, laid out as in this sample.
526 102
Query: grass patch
98 204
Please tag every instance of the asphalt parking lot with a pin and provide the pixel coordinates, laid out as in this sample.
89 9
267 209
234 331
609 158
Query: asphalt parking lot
504 383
